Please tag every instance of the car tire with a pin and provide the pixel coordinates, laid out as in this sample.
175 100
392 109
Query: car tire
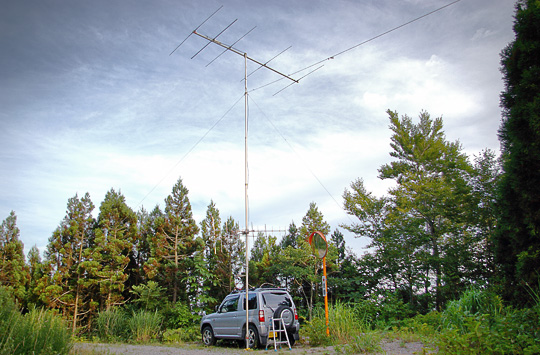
287 314
208 337
291 339
253 337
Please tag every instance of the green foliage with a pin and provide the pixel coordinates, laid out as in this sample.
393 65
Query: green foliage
181 335
149 296
517 242
478 324
473 302
367 343
13 271
179 315
144 326
315 332
111 325
37 332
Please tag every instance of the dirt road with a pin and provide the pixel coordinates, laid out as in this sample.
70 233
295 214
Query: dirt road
389 348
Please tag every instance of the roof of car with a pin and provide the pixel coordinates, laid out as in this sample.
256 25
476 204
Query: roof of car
259 289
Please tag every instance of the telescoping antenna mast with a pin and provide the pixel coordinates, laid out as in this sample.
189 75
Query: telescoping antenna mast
261 65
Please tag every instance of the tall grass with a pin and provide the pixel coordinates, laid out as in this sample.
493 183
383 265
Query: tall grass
111 325
37 332
144 326
478 323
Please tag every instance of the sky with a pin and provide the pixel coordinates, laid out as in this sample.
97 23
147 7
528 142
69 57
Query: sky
91 99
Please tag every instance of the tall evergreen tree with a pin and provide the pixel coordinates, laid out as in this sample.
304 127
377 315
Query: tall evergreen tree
231 257
291 238
14 273
518 235
68 288
174 245
113 248
314 221
211 234
35 266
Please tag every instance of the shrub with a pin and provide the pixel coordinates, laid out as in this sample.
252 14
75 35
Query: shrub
315 332
179 315
478 324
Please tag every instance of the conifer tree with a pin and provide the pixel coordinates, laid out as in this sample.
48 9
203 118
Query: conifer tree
69 286
175 244
35 266
14 273
518 234
112 249
314 221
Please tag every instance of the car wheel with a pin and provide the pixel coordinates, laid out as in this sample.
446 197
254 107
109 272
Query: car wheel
286 313
253 337
208 337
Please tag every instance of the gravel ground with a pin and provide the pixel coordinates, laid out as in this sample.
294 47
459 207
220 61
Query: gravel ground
389 348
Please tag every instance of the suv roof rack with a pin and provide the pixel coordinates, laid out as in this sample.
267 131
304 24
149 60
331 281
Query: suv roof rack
259 289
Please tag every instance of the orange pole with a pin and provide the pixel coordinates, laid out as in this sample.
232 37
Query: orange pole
325 297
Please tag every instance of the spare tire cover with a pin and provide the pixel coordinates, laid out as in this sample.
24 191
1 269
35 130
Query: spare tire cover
287 314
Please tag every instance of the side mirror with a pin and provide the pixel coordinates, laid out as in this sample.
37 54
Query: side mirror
216 308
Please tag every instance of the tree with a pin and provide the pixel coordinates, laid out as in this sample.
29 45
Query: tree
174 244
14 273
69 285
299 266
518 230
35 266
112 249
263 264
418 230
313 221
291 238
484 180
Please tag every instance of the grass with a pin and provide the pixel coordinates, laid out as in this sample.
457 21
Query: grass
37 332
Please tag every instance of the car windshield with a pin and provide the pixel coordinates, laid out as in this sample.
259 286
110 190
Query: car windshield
275 299
229 305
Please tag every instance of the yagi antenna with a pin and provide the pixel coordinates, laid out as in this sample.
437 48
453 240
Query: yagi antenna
213 39
274 57
261 65
226 49
208 18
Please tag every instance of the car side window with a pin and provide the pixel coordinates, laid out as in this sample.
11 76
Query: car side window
230 305
252 302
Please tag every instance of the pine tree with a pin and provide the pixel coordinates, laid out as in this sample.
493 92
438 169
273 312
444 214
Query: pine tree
518 234
14 273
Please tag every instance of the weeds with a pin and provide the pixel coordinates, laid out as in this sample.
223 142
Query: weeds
37 332
144 326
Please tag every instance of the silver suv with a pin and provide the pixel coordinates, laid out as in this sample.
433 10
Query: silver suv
265 304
